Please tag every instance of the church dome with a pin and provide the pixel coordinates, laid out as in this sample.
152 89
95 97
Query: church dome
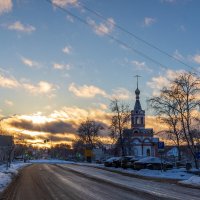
137 91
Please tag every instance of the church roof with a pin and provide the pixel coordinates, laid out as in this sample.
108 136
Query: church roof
137 105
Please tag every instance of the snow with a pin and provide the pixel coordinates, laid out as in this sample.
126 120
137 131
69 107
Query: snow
146 186
6 175
194 180
177 174
181 175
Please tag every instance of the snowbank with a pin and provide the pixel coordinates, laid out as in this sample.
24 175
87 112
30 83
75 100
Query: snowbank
5 179
180 175
194 180
6 175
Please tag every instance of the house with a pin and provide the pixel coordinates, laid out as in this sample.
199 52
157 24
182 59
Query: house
138 140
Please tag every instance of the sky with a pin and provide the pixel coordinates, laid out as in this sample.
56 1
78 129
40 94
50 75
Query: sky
62 61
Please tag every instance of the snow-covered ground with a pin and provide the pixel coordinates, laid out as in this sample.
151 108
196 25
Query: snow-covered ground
194 180
6 175
165 189
178 174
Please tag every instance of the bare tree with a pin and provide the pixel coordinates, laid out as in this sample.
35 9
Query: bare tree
186 89
89 132
177 105
165 107
119 121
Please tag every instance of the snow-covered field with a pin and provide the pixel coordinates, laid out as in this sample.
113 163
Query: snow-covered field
6 175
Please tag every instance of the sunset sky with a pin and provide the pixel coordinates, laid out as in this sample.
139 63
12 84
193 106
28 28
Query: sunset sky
57 69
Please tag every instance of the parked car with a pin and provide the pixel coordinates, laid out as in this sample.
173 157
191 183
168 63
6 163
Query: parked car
117 162
153 163
133 160
109 162
126 161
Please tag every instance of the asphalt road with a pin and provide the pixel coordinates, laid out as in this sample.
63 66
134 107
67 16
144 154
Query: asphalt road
52 182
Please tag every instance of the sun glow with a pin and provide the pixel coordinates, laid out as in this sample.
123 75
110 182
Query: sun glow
37 118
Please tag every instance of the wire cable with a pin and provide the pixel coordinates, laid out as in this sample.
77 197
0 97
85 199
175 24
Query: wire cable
118 40
135 36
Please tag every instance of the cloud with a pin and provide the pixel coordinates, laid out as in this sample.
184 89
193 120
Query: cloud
64 3
18 26
196 58
9 103
64 120
29 62
76 114
8 82
148 21
91 91
61 125
86 91
5 6
42 87
158 82
103 28
50 127
61 66
140 65
121 94
67 49
103 106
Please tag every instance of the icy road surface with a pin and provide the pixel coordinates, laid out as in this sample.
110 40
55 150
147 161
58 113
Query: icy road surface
71 182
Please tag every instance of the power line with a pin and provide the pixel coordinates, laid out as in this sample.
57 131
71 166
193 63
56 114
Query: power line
135 36
118 40
109 35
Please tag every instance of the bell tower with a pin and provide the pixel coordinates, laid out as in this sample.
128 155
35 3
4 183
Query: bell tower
137 114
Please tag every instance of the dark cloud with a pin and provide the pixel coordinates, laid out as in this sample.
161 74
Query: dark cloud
51 127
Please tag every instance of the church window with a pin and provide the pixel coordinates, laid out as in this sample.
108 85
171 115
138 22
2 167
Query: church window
135 152
138 120
148 152
142 121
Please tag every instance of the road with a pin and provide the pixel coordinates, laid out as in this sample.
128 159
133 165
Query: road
67 182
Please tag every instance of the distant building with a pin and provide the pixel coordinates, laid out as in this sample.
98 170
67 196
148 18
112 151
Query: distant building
138 140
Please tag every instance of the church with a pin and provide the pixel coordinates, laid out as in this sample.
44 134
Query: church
138 140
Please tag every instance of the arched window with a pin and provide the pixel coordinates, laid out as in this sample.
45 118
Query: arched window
142 121
138 120
135 152
148 152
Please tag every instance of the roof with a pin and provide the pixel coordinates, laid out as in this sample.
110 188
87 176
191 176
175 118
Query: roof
137 105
